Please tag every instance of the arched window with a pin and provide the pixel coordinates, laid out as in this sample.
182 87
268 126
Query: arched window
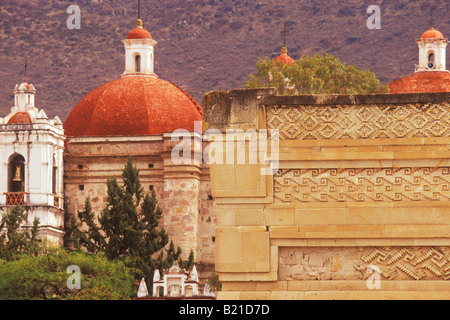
159 291
431 63
54 176
16 173
188 291
138 63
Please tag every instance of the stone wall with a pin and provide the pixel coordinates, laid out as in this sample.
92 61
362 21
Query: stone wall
182 190
362 181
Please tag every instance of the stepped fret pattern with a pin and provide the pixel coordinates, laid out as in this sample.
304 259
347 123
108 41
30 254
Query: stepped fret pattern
362 185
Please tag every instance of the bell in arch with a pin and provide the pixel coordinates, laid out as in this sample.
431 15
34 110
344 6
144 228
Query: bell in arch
17 176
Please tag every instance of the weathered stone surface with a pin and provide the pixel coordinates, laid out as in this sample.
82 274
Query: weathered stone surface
362 180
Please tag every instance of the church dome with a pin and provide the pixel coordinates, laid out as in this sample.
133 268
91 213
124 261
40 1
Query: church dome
139 32
20 118
432 34
422 82
133 105
283 57
430 74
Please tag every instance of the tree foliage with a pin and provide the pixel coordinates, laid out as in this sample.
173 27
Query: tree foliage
319 74
45 276
15 240
127 228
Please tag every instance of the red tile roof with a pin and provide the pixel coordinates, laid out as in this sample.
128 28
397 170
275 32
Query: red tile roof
432 34
427 81
20 118
284 57
139 33
134 105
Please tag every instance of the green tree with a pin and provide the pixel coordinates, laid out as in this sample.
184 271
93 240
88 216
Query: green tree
45 276
15 239
214 283
90 238
319 74
128 228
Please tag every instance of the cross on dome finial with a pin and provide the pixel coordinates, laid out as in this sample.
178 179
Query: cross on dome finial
25 70
285 32
139 22
139 9
431 16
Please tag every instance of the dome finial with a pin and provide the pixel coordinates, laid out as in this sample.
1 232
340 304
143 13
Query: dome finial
285 32
139 22
431 16
25 70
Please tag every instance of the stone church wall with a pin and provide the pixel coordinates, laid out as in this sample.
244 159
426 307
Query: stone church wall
183 192
361 192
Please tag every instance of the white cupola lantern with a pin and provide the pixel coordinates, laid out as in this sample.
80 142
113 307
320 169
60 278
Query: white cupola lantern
432 48
24 97
139 52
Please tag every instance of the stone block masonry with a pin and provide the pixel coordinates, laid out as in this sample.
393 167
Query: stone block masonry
363 180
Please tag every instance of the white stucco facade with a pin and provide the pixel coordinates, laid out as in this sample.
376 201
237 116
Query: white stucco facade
432 54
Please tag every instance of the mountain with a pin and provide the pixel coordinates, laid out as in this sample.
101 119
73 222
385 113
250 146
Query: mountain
203 45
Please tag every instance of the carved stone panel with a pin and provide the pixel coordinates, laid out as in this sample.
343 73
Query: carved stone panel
362 185
303 122
352 263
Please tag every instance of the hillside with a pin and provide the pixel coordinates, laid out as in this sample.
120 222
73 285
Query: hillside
203 45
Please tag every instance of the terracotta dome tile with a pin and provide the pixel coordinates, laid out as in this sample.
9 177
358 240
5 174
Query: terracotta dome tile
20 118
139 33
422 82
135 105
432 34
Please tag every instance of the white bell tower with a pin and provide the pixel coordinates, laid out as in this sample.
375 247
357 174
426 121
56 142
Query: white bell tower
32 164
432 52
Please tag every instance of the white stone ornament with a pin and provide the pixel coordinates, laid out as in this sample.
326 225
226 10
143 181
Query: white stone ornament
156 276
207 292
142 292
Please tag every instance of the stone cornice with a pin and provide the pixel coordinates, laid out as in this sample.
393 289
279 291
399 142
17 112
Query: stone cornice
400 98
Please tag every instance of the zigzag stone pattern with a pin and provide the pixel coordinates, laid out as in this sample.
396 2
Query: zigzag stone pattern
415 262
362 185
353 263
308 122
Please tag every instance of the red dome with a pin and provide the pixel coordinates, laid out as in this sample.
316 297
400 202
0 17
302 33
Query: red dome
27 86
135 105
427 81
284 57
20 118
432 34
139 33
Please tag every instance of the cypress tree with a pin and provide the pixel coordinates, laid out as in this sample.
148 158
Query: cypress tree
129 228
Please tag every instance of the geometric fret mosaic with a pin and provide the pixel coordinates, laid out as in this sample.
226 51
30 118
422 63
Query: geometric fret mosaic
362 185
352 263
415 263
304 122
